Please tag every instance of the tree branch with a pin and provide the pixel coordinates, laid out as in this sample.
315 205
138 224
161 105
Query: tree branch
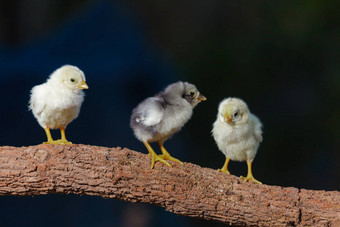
188 190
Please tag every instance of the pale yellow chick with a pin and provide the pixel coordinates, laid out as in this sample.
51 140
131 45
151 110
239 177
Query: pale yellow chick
237 133
57 102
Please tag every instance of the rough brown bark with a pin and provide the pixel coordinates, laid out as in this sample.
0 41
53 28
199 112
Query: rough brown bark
188 190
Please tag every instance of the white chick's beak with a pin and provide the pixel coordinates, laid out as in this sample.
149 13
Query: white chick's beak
201 98
227 118
83 85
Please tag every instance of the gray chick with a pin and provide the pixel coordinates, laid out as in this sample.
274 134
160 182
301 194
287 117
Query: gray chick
157 118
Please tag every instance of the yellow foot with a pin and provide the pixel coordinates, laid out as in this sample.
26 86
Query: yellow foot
165 154
250 178
49 142
168 157
224 171
62 142
155 158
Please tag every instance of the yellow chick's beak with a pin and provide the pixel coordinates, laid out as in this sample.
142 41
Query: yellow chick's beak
227 118
201 98
83 85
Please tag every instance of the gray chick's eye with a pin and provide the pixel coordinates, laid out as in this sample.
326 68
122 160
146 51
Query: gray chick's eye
192 94
72 80
236 114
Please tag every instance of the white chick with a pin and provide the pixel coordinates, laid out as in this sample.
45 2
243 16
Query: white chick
237 133
157 118
57 102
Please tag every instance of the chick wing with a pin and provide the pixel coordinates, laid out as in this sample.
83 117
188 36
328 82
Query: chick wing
257 126
149 113
37 104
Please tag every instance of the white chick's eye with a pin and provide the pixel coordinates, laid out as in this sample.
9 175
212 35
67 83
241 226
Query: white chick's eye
72 80
236 114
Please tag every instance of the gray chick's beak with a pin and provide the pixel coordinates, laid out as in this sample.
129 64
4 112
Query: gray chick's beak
201 98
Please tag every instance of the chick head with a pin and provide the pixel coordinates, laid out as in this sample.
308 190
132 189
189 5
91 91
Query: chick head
233 111
192 95
70 77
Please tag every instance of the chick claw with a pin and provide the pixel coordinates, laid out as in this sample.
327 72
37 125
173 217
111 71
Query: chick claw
168 157
165 154
59 142
250 178
49 142
224 171
62 142
155 158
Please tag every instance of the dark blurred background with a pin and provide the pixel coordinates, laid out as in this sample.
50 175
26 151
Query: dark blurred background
281 57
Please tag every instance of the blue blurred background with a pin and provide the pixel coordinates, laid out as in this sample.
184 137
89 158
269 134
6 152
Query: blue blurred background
281 57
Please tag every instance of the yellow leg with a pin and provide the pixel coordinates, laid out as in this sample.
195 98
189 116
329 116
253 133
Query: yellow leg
49 136
154 156
225 166
165 154
250 176
63 139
